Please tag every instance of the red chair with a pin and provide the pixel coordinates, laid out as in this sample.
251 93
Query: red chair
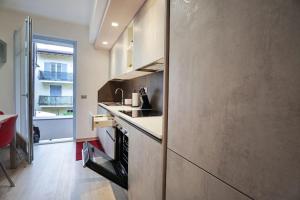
7 132
1 113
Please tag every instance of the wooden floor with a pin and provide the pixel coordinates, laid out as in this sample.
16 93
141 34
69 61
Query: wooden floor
55 174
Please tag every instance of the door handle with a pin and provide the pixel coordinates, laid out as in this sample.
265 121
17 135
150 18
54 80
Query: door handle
24 95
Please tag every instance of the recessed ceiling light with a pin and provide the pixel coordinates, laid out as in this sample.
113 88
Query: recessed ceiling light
114 24
105 43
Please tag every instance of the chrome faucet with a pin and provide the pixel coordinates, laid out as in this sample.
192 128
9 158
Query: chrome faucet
122 94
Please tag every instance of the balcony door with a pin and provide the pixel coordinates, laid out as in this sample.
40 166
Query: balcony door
55 90
54 105
24 74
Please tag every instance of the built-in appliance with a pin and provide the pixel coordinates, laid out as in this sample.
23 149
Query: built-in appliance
141 113
115 169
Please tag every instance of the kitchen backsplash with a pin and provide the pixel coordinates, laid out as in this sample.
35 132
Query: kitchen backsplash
153 82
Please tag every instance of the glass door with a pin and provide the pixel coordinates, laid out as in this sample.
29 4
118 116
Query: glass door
24 74
102 164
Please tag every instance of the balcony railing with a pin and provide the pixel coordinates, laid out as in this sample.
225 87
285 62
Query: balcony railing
55 100
55 76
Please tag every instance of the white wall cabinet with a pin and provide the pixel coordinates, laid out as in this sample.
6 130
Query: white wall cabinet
118 56
149 33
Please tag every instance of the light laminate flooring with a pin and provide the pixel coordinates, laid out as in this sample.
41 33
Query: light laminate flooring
55 175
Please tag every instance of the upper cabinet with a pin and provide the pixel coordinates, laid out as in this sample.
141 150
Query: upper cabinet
141 44
106 12
121 57
149 33
118 56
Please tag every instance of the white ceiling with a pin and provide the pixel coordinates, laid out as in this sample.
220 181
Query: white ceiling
75 11
120 11
97 14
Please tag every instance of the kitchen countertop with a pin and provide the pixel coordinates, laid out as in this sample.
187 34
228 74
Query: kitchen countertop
152 125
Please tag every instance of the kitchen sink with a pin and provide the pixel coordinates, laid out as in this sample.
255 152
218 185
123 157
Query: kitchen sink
112 103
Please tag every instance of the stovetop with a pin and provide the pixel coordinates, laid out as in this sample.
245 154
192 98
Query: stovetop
141 113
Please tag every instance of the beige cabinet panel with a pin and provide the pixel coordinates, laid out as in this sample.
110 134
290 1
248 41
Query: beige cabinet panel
234 92
186 181
149 33
144 166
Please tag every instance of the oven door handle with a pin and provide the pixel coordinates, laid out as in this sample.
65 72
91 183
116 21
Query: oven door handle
125 133
110 136
123 130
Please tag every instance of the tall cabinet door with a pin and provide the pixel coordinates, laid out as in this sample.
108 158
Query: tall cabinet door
187 181
233 93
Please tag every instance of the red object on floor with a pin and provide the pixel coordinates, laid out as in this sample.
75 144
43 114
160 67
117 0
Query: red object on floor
79 146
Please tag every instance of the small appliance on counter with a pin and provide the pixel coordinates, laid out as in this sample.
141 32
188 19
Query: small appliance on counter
128 102
135 99
144 99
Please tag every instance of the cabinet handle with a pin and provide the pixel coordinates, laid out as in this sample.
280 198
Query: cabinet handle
110 136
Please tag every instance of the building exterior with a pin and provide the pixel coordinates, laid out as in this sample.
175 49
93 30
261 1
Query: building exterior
53 83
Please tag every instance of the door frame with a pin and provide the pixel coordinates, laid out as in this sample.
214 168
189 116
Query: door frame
73 43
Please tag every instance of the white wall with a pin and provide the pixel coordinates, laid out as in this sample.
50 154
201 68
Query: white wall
92 65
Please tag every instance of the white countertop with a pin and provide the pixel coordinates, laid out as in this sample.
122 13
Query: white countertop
152 125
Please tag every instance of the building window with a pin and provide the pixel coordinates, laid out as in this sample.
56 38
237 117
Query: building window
56 72
55 90
55 67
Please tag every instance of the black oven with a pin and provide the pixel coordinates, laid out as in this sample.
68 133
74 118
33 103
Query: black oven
116 169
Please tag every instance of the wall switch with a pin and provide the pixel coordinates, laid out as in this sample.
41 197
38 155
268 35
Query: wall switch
83 96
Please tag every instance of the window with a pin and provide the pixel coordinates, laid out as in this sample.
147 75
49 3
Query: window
56 71
55 90
55 67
